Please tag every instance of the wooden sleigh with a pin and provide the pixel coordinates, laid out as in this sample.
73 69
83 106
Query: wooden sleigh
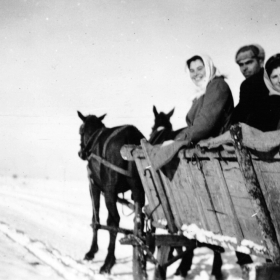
222 195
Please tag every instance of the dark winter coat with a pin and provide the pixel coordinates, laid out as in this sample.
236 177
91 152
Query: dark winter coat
253 96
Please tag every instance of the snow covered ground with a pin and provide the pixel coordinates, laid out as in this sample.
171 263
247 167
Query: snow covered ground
45 232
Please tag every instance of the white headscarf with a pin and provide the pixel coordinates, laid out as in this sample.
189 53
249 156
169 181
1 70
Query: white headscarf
269 85
211 73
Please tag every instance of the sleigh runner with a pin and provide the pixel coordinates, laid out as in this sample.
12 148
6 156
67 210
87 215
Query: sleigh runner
223 197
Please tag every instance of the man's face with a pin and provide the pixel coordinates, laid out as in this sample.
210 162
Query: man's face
249 65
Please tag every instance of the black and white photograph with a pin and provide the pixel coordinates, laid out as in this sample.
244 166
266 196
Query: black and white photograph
140 140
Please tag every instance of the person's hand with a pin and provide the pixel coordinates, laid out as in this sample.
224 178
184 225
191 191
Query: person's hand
211 142
206 143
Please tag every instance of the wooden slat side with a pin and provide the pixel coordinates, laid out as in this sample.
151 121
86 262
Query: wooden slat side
147 183
213 183
243 206
158 209
135 153
173 200
205 198
194 185
246 215
181 199
190 205
273 199
258 167
236 187
207 193
254 190
251 229
184 200
270 184
188 209
160 190
232 171
228 204
241 200
272 166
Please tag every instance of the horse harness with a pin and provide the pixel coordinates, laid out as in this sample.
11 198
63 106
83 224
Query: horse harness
95 137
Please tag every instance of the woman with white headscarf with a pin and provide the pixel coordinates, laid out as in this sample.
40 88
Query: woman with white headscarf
212 106
208 116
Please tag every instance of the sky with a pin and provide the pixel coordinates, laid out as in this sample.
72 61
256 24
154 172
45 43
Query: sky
116 57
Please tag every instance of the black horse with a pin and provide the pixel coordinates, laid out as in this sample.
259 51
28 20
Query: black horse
163 131
109 174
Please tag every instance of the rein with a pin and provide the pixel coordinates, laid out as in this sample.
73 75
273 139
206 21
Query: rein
91 138
110 165
101 159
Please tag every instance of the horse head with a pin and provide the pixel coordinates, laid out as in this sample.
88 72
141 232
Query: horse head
162 126
110 174
91 124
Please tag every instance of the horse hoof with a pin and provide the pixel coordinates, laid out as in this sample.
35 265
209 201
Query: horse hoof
89 256
109 263
105 270
222 276
178 277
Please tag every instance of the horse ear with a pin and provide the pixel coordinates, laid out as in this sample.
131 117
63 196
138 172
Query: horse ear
102 117
170 113
155 110
83 118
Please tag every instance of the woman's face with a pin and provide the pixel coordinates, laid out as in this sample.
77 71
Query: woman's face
275 78
197 71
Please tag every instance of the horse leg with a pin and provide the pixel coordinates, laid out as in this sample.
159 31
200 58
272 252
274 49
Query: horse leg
217 265
185 264
95 199
113 221
243 260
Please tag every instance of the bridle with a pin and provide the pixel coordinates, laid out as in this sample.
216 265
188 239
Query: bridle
94 136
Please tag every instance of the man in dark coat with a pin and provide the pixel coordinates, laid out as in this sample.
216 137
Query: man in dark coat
253 91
